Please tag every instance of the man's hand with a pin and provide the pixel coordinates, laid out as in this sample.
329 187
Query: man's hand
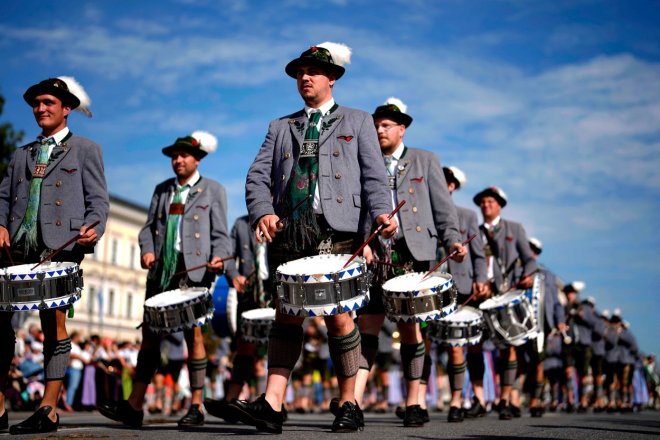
148 260
461 252
562 327
390 228
4 237
215 265
88 236
481 290
526 282
239 283
368 254
267 227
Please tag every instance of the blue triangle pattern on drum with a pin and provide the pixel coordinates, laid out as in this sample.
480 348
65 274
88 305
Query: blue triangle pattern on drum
350 271
333 311
25 308
311 313
306 277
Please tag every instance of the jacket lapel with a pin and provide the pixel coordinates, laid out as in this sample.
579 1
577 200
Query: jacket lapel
298 125
401 170
329 124
56 156
31 160
194 194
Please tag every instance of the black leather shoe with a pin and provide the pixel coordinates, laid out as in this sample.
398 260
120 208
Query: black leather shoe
505 412
425 415
334 405
476 410
400 412
258 413
194 417
4 421
348 418
455 415
220 409
122 411
413 417
515 410
536 412
36 423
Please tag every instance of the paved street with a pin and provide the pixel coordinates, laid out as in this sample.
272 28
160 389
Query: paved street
381 427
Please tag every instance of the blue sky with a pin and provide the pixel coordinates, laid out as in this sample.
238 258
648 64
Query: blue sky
556 102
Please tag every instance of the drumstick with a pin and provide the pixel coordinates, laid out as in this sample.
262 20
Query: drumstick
61 248
471 297
288 214
201 266
8 252
444 260
373 234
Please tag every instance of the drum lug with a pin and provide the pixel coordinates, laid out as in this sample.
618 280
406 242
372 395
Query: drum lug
42 290
337 286
301 290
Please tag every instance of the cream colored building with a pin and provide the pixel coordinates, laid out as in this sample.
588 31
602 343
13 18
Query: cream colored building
113 297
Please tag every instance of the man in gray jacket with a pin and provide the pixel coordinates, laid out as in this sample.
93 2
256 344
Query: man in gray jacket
414 176
510 264
186 228
54 190
326 158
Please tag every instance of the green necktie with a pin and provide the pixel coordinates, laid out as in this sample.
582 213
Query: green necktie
170 255
29 228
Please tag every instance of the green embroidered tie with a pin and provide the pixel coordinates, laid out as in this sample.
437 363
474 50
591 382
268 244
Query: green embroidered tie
170 255
29 228
303 227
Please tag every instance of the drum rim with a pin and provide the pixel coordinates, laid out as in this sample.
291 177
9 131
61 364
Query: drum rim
449 282
193 300
32 274
359 267
245 315
515 300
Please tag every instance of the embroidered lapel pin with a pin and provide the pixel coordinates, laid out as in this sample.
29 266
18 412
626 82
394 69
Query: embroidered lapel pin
345 138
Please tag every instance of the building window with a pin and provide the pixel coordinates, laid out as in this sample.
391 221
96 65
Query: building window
113 251
132 262
129 305
111 302
91 293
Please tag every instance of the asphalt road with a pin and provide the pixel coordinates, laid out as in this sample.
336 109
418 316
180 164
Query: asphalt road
378 427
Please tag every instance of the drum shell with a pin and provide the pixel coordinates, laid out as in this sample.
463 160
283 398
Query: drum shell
511 323
41 289
179 316
409 307
255 330
458 333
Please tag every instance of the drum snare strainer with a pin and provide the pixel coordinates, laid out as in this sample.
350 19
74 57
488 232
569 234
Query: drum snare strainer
50 285
318 286
410 297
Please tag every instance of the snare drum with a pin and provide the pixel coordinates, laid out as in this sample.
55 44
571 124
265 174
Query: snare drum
50 285
177 310
464 327
409 298
510 318
318 286
255 325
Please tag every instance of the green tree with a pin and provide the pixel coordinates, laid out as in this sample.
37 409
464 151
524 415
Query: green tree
9 141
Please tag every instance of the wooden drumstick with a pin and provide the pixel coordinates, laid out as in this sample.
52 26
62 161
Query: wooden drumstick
373 234
202 266
8 252
444 260
288 214
61 248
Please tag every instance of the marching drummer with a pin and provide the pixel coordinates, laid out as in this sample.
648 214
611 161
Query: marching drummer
429 216
324 161
247 274
54 189
510 265
553 321
182 244
470 278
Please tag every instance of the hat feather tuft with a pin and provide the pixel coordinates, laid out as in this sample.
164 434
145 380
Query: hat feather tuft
396 101
77 89
340 53
207 141
579 285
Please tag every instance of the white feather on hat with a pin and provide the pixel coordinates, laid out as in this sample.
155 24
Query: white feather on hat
340 53
535 242
579 286
459 175
207 142
591 300
79 92
617 312
396 101
605 314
